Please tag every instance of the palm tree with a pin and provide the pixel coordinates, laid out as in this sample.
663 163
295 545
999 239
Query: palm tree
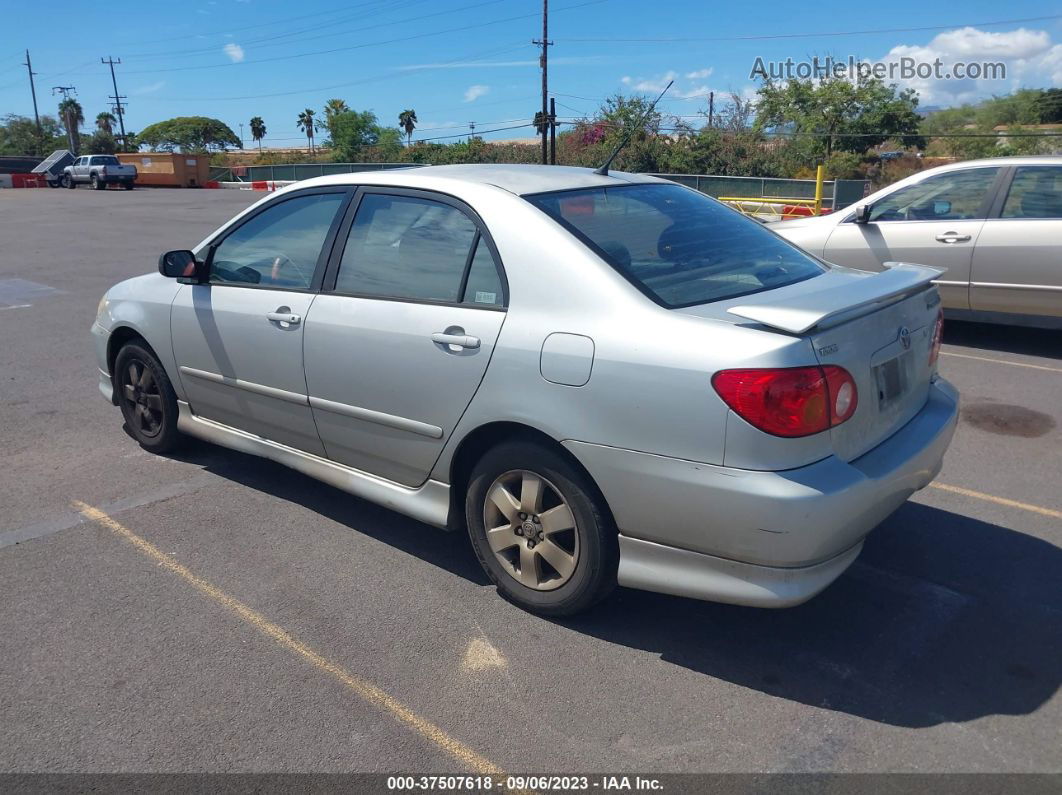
105 122
332 109
73 117
258 130
407 120
306 124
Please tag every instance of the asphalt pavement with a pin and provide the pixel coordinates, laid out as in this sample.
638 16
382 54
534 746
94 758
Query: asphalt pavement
223 613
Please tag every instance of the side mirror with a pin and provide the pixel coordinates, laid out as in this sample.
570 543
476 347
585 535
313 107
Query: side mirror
862 214
180 264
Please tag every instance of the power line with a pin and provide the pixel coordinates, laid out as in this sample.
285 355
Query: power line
814 35
363 45
347 84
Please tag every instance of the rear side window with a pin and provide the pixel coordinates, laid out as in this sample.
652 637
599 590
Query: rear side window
1036 192
105 160
484 285
407 247
676 245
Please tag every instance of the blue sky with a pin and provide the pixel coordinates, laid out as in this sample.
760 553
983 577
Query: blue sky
456 61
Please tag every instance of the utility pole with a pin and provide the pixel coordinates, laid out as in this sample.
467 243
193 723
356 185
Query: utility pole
117 98
711 108
241 136
545 42
69 122
552 131
36 117
472 127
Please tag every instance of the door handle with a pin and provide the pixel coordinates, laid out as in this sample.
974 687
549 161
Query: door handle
952 237
284 317
458 340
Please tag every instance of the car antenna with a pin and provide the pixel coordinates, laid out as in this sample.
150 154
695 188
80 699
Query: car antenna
603 171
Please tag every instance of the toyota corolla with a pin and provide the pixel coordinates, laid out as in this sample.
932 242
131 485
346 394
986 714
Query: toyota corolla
602 378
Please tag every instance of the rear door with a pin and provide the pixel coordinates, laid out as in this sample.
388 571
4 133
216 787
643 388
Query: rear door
933 222
238 339
399 340
1017 263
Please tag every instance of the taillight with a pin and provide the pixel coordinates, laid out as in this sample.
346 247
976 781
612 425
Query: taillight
938 336
791 402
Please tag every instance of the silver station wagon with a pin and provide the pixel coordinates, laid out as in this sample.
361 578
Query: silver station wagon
603 378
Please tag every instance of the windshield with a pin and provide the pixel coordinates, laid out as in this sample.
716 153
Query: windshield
676 245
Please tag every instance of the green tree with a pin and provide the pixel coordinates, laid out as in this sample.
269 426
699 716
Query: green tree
73 117
105 122
840 114
306 124
258 130
332 108
407 120
188 134
353 131
100 142
18 135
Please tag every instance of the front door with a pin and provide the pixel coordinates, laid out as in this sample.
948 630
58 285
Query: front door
238 339
933 222
1017 265
398 344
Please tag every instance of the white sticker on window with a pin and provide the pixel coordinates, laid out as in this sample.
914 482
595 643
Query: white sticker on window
484 297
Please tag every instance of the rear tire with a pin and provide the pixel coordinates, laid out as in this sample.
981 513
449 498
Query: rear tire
96 183
540 529
147 399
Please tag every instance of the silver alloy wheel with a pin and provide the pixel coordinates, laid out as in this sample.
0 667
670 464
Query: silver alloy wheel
140 391
532 535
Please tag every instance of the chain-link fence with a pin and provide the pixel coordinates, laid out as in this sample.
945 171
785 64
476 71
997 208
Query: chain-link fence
836 193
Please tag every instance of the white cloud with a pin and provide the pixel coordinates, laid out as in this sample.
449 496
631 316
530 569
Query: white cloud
234 51
651 84
472 93
1028 55
150 88
699 74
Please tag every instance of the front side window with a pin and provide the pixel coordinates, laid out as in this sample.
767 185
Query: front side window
952 196
677 245
1036 192
279 246
406 247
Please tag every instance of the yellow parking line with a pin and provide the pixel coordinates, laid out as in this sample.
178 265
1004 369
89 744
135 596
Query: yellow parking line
977 495
1003 361
360 687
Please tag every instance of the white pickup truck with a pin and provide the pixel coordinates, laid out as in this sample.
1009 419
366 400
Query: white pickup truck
99 171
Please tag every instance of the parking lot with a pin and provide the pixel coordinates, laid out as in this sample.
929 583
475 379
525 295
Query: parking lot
217 612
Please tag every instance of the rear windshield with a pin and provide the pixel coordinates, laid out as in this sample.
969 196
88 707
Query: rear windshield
676 245
105 160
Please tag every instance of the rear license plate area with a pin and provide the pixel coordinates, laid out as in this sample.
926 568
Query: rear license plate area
892 378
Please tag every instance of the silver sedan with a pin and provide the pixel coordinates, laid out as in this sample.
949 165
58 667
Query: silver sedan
603 378
994 226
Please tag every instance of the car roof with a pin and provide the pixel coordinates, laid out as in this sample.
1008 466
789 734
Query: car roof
1016 160
521 180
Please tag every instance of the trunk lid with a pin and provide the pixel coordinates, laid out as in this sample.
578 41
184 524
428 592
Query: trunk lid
877 326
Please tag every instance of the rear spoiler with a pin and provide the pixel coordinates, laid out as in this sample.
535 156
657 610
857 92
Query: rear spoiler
816 308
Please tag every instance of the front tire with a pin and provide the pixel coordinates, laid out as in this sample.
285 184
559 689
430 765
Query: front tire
540 530
147 399
68 181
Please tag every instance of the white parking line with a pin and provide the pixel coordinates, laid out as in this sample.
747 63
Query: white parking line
1002 361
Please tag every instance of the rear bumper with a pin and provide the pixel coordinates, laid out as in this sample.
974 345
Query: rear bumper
762 538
